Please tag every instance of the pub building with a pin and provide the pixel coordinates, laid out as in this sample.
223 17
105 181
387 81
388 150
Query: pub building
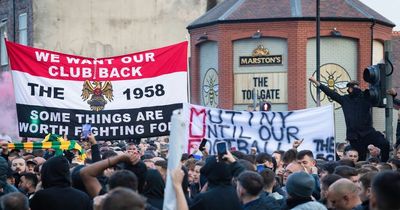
265 50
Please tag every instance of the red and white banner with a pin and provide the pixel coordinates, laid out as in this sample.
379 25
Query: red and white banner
122 97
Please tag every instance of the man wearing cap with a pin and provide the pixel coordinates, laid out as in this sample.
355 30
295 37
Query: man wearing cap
357 108
300 186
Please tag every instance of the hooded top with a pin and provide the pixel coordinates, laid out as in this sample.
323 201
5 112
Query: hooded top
154 188
55 173
217 173
57 192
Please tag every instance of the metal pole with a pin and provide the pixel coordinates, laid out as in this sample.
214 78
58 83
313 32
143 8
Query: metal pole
254 100
389 98
318 54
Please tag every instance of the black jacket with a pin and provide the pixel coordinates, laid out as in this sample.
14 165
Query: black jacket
263 203
357 112
57 192
154 188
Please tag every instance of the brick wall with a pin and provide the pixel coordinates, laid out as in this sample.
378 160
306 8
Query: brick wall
296 33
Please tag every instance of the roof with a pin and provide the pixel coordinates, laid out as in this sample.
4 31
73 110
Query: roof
236 11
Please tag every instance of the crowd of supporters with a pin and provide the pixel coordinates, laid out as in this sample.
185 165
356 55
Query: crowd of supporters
124 175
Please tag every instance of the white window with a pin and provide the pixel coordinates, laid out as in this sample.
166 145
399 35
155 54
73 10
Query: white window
3 51
23 29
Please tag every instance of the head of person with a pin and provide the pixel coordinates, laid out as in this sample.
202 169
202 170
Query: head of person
289 156
340 149
18 165
216 172
196 171
385 191
249 185
269 179
290 169
306 159
278 155
397 154
326 182
30 165
365 185
351 154
327 168
300 185
123 178
116 199
343 195
28 182
14 201
348 172
353 87
384 167
55 172
266 160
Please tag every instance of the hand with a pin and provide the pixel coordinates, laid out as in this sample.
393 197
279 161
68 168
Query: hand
177 176
392 92
374 151
92 139
133 157
229 157
297 143
313 80
253 150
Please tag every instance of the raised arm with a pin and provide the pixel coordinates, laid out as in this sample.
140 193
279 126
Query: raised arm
332 94
89 173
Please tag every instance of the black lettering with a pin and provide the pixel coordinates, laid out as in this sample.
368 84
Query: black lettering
212 130
222 129
241 134
275 136
243 146
261 133
291 131
219 117
284 117
233 115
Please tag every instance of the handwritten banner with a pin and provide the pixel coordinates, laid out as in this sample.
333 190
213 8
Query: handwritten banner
267 131
122 97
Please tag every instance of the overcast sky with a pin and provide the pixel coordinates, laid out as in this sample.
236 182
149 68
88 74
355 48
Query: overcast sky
388 8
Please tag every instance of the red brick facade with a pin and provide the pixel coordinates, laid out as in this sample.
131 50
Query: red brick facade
296 33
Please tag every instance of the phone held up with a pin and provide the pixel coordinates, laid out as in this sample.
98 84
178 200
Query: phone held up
202 144
221 149
86 130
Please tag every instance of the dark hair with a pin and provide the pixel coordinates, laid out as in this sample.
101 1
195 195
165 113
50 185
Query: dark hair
31 178
162 163
107 154
386 187
252 182
247 165
14 201
268 177
367 178
345 171
384 167
263 157
340 147
330 179
190 164
281 152
329 167
300 155
184 157
289 156
349 148
117 199
123 178
395 162
347 162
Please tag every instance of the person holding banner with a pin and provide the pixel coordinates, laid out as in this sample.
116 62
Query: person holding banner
357 113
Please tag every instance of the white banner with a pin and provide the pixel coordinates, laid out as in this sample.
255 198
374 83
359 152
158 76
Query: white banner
267 131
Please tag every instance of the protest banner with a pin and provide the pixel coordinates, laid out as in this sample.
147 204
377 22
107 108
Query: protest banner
266 131
122 97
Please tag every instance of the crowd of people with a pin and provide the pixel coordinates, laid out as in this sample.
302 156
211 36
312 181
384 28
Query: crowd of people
126 175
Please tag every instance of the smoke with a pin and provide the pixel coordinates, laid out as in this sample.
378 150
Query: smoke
8 112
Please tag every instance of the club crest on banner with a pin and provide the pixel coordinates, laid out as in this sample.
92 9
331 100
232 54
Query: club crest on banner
98 92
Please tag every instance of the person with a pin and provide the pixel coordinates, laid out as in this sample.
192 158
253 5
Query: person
299 187
327 181
57 192
154 188
396 101
343 195
348 172
28 184
220 194
249 188
269 179
350 154
385 191
14 201
116 199
365 190
357 108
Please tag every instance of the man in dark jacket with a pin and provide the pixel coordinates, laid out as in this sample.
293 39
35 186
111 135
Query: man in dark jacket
57 192
357 108
396 102
220 193
250 191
